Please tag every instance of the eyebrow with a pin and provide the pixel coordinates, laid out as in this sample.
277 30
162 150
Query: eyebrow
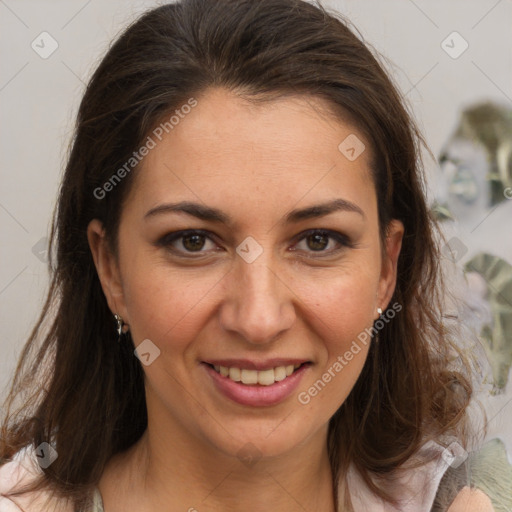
215 215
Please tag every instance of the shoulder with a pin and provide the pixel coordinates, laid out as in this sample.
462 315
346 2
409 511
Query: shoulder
435 485
471 500
6 505
412 487
22 470
13 474
487 472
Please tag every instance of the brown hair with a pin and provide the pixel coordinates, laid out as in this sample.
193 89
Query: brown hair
85 392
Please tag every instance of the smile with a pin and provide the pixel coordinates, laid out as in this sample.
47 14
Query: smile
256 384
253 377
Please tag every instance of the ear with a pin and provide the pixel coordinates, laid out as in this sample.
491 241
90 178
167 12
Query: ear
107 268
387 280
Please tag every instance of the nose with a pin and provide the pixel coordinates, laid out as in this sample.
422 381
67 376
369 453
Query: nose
258 305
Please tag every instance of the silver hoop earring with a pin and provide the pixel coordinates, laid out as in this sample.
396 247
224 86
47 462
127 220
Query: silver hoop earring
121 327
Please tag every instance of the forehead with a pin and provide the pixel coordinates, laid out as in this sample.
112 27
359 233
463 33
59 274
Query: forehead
228 149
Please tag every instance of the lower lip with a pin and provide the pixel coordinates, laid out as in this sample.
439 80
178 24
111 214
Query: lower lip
257 395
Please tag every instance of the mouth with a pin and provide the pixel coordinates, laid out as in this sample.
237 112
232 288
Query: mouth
256 384
254 377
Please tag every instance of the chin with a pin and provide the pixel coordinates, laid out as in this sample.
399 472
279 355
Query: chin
264 439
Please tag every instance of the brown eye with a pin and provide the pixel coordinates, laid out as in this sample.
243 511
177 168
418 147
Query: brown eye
318 241
193 242
187 242
322 242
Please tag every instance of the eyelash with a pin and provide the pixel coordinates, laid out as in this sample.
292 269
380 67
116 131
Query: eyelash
167 241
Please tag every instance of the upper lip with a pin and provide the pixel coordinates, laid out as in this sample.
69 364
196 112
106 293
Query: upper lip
248 364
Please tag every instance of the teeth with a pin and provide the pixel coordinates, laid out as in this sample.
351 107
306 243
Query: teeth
248 376
235 374
279 373
264 377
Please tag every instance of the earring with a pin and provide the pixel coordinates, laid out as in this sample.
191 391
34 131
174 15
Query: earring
379 310
121 327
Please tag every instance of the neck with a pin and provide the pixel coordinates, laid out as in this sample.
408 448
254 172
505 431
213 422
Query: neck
176 469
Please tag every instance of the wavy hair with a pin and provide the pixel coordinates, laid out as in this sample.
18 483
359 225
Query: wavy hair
76 386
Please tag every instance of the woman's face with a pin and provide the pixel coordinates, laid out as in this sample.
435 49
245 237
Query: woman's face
281 265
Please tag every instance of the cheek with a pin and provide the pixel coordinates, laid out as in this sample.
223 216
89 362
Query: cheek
343 301
341 313
165 303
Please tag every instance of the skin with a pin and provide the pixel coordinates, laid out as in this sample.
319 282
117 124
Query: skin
471 500
256 163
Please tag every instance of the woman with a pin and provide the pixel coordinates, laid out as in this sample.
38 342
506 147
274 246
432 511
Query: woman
246 297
